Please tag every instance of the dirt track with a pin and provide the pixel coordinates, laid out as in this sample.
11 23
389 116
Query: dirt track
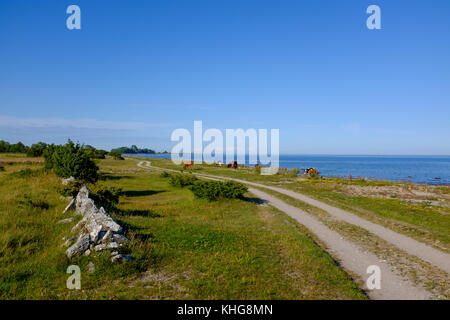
349 255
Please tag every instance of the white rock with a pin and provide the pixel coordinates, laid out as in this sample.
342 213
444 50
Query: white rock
68 180
108 237
120 238
112 245
79 247
100 247
69 241
95 233
91 267
65 220
121 257
70 206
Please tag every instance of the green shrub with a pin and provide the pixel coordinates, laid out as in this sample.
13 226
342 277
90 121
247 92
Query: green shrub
165 174
215 190
182 180
106 197
37 149
70 189
95 153
70 160
116 155
2 168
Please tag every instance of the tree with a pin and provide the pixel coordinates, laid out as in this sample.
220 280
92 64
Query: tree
37 149
71 160
19 147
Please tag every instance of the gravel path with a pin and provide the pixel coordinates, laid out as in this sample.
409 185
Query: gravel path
434 256
348 255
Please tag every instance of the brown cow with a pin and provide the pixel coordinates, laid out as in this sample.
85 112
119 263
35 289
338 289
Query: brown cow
188 164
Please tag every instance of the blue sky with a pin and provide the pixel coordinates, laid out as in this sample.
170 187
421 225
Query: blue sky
137 70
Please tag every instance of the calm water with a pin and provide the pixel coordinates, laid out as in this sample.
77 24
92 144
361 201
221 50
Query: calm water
420 169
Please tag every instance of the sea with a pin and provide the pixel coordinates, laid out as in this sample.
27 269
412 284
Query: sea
417 169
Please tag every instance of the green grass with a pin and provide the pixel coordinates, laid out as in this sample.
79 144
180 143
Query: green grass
426 223
182 247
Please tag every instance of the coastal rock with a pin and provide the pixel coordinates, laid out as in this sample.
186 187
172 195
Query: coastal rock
108 237
79 247
98 231
68 220
70 206
120 238
68 242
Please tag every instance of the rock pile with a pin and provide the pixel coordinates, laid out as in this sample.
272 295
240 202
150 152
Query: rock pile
97 230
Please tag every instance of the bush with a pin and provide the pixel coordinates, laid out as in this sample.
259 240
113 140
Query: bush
95 153
37 149
2 168
116 155
106 197
182 180
70 189
71 160
165 174
215 190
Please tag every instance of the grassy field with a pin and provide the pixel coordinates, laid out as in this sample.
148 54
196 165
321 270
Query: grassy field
427 220
182 247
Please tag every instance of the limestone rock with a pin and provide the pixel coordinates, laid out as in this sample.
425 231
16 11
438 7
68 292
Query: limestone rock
79 247
91 267
70 206
68 180
120 257
120 238
69 241
68 220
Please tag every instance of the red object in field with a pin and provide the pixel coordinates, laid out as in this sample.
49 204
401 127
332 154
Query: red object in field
188 164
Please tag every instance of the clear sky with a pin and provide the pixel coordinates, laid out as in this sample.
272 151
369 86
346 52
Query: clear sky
137 70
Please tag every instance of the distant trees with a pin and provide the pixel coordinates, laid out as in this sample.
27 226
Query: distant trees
95 153
18 147
37 149
133 150
116 155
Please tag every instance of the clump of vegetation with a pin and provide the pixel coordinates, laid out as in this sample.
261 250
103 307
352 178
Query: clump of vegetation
133 150
71 160
216 190
37 149
12 148
165 174
70 189
182 180
94 153
116 155
106 197
2 168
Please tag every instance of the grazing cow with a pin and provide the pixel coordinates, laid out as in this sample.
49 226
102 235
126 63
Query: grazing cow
233 165
311 171
188 164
